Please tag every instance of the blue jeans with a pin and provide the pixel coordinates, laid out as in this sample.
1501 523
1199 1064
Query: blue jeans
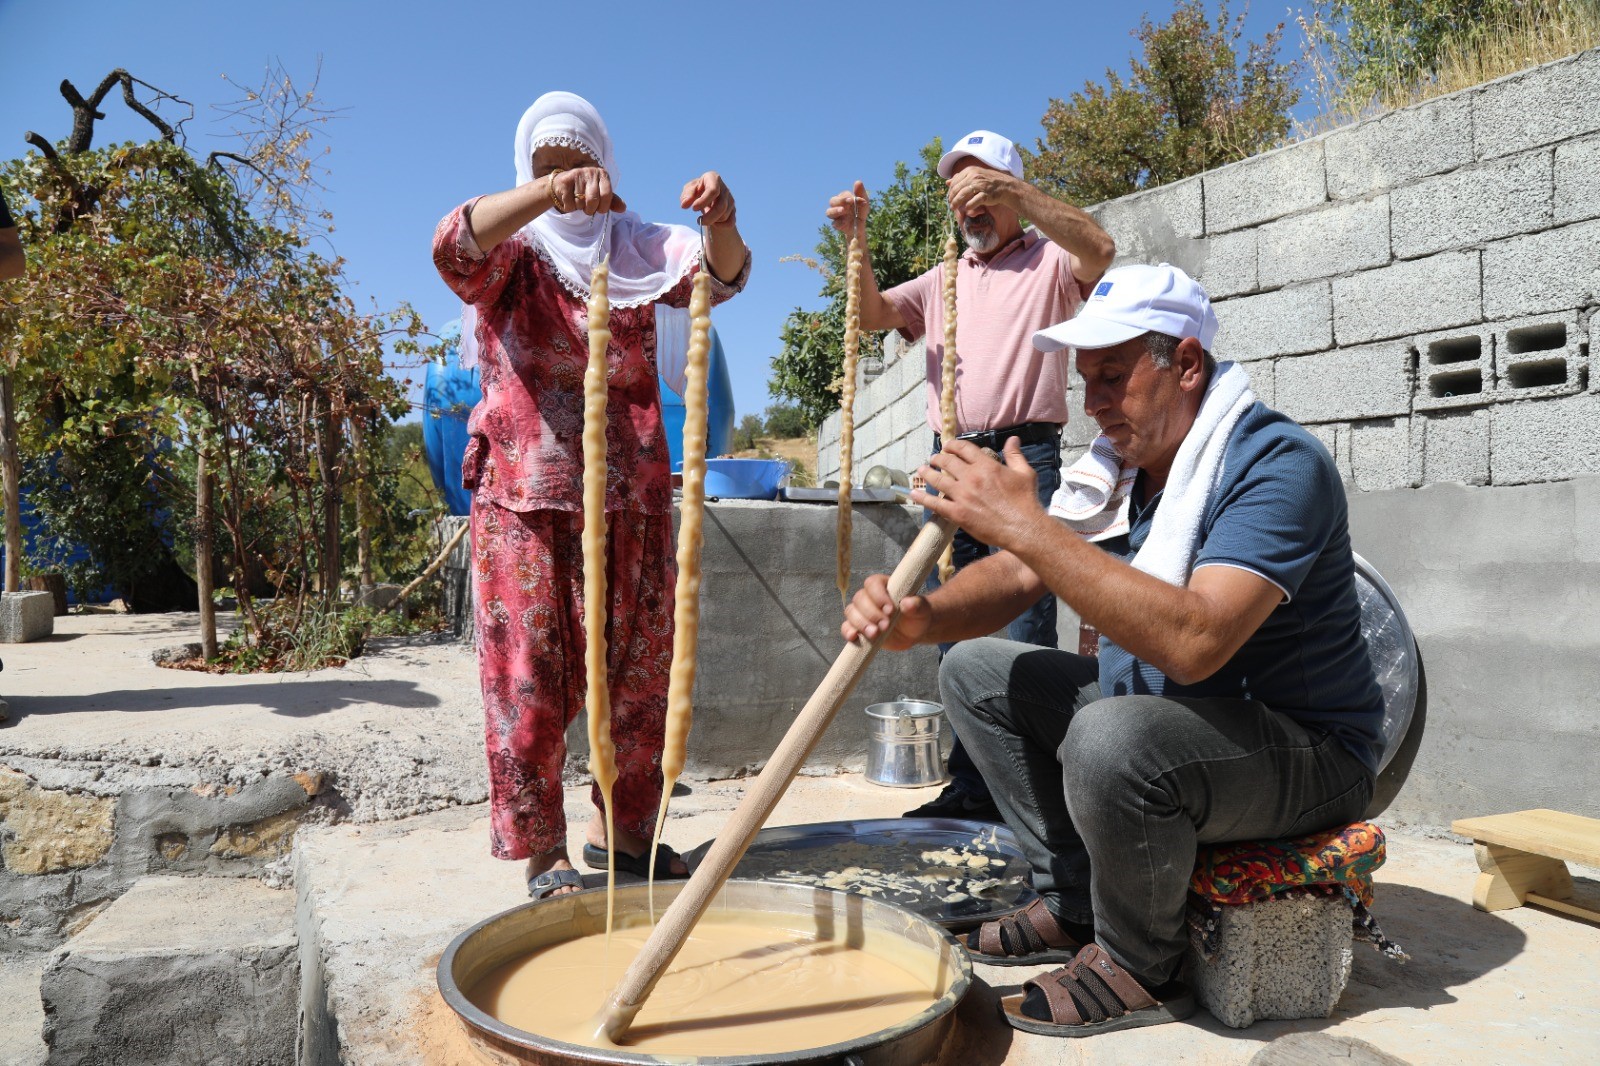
1036 625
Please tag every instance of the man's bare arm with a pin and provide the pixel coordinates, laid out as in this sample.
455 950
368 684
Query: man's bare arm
1071 228
847 212
12 262
1186 633
980 599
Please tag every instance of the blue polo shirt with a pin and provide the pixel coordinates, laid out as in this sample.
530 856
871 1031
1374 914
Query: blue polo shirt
1279 512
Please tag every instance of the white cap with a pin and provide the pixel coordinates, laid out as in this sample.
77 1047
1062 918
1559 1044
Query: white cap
986 147
1133 300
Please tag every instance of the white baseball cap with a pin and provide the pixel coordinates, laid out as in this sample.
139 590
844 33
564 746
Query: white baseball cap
1133 300
986 147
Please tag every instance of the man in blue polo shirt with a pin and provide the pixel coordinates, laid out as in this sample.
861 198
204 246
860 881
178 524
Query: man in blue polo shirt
1204 535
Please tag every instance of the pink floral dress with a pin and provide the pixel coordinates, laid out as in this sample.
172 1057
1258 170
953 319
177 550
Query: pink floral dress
524 465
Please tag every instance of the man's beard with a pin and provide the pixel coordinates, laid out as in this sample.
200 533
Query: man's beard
978 232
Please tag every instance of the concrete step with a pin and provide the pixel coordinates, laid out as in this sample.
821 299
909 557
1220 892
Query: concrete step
21 1012
178 970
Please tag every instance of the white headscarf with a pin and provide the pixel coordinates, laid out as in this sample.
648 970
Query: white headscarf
647 258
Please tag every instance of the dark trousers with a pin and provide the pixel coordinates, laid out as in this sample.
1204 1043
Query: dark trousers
1111 798
1036 625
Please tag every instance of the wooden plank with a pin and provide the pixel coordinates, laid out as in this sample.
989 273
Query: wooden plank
1564 907
1554 834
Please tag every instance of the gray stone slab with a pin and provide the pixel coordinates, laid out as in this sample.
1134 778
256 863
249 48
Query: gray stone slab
1373 381
1264 382
1320 1049
1157 225
26 616
1228 264
1286 322
21 1010
1550 271
1381 455
1285 959
178 970
1475 204
1541 106
1352 235
1545 440
1389 151
1335 437
1456 447
1405 298
1577 180
1264 187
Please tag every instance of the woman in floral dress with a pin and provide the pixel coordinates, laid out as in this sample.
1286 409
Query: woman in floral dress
523 259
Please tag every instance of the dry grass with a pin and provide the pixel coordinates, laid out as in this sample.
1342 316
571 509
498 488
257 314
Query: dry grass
800 451
1537 34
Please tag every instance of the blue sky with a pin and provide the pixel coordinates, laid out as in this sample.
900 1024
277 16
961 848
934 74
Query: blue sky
789 102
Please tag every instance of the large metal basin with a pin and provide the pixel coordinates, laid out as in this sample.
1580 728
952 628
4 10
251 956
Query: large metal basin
498 940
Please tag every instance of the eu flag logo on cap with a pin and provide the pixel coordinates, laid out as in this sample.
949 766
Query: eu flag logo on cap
974 140
1101 289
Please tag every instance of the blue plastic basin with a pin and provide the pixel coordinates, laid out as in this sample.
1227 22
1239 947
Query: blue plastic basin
745 479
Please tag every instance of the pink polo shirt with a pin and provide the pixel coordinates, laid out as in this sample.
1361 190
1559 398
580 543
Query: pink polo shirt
1001 378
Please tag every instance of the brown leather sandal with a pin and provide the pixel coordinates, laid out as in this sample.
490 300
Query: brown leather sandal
1031 938
1092 994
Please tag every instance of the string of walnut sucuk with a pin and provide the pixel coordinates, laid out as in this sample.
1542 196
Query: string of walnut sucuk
602 753
947 380
847 409
686 603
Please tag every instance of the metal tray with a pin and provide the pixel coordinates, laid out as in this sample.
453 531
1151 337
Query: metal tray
800 495
894 847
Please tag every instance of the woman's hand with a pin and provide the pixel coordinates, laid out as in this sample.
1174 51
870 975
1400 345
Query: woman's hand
586 189
709 195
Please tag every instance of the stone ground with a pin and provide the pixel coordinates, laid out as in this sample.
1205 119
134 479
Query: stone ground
381 902
399 731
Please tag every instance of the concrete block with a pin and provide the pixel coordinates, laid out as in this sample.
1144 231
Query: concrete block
1155 226
908 420
47 831
1373 381
1263 382
26 616
1335 438
1539 357
1286 322
1282 959
1473 205
1455 447
873 434
1405 298
1387 152
1080 429
1337 239
1577 180
378 596
1544 440
178 970
1455 368
1549 103
1228 265
828 432
827 461
1381 455
1266 186
1550 271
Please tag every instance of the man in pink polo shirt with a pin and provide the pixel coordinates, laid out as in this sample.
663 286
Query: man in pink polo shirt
1011 283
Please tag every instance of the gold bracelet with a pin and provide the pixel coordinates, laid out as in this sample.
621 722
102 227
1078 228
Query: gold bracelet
555 197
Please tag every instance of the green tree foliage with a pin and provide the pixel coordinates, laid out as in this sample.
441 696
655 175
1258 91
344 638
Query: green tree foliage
786 421
747 433
1382 49
1198 97
906 231
176 309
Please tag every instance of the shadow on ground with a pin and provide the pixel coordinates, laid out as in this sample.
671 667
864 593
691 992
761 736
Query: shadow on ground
294 699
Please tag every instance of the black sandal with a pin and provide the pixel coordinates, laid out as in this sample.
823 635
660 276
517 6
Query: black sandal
542 885
1092 994
637 865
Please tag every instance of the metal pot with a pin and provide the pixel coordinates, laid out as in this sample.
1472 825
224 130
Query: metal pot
498 940
903 743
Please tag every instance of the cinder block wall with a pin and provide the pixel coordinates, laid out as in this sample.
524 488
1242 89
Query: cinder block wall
1420 291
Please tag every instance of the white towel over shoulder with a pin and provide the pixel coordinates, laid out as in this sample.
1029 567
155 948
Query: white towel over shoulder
1094 495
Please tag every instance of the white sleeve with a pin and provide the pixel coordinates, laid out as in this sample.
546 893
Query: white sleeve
672 346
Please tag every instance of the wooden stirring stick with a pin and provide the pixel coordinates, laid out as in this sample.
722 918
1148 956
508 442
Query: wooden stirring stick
670 933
